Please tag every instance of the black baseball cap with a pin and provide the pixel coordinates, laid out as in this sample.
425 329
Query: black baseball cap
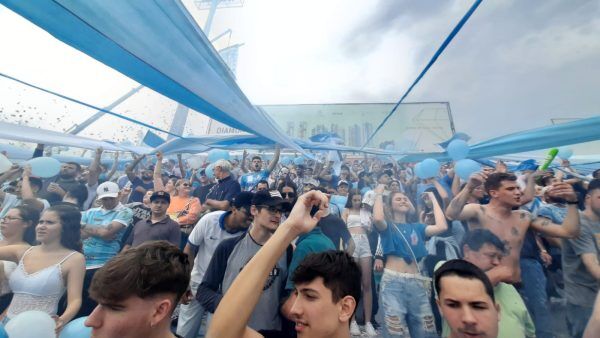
160 194
243 200
270 198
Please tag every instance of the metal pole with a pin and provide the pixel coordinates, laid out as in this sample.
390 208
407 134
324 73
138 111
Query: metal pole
78 128
211 15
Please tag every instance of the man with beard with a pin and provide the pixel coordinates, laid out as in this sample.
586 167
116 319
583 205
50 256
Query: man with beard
248 181
66 179
139 185
581 264
212 229
511 225
233 254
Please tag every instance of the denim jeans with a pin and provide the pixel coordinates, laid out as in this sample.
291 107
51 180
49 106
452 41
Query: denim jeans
406 307
190 316
533 291
577 319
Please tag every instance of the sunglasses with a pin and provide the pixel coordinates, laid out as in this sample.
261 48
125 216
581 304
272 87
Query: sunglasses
288 194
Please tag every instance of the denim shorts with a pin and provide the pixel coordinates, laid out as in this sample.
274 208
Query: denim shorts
405 303
362 248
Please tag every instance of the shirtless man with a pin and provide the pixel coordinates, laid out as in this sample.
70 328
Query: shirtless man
508 224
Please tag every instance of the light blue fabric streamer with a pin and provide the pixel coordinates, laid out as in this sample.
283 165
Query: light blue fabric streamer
580 131
158 44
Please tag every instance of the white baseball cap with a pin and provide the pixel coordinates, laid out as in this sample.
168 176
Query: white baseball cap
107 189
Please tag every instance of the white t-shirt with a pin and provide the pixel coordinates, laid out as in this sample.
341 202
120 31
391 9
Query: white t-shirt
207 234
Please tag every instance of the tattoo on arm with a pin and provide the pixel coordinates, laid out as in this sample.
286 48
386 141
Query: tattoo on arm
514 231
507 247
482 209
545 223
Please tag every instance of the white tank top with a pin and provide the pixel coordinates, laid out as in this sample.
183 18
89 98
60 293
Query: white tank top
353 221
359 220
40 290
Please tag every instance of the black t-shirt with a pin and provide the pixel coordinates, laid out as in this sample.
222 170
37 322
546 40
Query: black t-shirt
226 190
202 191
335 228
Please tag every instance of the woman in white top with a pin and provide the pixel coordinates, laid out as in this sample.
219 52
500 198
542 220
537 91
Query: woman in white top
46 270
17 227
359 221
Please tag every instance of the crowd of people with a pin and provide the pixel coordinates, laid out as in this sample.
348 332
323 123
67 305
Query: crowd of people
250 248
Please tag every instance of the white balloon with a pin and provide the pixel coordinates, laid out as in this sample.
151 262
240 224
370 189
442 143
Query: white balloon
29 324
194 162
5 164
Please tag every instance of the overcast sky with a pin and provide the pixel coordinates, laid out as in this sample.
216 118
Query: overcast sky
515 65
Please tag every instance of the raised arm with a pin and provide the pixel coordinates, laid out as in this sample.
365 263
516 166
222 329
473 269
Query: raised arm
529 192
114 167
438 214
233 313
26 191
455 185
157 178
378 212
570 226
243 164
181 166
94 169
130 169
456 210
275 159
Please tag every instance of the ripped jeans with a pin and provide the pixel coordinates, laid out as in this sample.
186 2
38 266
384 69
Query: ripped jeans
405 303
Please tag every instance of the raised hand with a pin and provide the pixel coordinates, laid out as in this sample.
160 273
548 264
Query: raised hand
476 180
300 218
564 191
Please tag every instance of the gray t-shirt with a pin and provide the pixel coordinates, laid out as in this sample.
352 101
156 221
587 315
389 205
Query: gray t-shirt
266 313
580 286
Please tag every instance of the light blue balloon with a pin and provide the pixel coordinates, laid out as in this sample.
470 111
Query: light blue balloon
430 167
217 154
458 149
44 166
466 167
419 171
210 171
76 329
287 160
299 161
565 153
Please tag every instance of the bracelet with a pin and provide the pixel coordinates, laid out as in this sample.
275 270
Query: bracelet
574 202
